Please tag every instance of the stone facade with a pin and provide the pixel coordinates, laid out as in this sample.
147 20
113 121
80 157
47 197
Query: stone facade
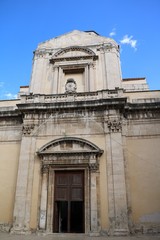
80 120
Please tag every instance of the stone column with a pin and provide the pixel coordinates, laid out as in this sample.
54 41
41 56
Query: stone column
94 228
23 194
43 206
116 180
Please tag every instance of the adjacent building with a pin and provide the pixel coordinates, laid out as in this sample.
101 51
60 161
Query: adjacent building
80 147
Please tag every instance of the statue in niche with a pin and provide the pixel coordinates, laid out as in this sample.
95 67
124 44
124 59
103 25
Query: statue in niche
70 86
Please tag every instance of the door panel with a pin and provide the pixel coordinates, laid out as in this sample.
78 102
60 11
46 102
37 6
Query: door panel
69 201
77 223
61 194
76 194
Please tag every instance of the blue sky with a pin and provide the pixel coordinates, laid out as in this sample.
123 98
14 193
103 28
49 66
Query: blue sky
134 24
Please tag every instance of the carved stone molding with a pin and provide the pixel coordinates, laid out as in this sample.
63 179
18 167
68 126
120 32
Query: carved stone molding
70 151
114 125
73 49
75 58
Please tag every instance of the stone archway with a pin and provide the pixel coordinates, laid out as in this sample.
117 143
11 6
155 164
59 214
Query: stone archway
70 155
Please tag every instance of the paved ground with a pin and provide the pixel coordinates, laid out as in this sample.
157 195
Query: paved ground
7 236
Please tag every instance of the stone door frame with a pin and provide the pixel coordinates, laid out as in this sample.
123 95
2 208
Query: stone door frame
70 153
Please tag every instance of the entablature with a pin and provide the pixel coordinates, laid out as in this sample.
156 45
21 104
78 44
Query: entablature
76 58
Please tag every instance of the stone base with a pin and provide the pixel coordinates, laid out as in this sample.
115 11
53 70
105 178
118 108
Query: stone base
120 232
5 227
20 230
146 228
94 234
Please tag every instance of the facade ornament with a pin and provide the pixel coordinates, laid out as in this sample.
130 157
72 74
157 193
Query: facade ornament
27 129
70 86
42 53
45 169
94 166
107 47
114 125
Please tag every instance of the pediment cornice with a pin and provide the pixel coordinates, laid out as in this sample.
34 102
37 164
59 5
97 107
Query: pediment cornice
73 53
69 146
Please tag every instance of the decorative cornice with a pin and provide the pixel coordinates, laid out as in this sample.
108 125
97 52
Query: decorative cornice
85 147
73 151
75 58
103 99
142 111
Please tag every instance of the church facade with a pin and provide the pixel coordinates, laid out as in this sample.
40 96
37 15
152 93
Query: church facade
80 146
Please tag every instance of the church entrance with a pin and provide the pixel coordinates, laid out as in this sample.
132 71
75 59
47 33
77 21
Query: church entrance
69 202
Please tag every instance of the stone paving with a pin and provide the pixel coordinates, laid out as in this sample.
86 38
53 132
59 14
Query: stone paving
7 236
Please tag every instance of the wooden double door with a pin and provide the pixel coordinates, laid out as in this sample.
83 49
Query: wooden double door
69 202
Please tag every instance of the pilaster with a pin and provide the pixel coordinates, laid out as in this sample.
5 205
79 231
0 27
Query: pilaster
43 205
118 215
111 65
94 175
23 195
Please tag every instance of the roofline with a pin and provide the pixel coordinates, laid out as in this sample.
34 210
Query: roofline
93 32
131 79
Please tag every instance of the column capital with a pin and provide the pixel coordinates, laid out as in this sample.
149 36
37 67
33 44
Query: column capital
45 169
114 125
27 129
94 167
107 47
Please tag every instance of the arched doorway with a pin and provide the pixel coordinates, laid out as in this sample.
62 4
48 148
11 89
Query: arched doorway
69 185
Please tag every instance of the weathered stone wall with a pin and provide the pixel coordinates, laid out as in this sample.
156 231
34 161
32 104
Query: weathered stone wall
143 179
10 136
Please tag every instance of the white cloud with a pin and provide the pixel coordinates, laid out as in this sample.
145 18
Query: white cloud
112 33
10 95
130 41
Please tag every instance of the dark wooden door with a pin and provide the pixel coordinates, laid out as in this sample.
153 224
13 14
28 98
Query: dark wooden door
69 201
